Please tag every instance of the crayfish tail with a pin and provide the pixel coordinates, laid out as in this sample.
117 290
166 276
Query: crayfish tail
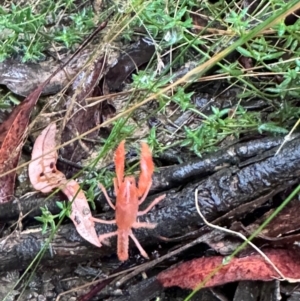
123 244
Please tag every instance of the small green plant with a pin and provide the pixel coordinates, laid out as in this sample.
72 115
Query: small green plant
104 177
152 140
239 21
217 127
29 30
48 219
183 99
162 20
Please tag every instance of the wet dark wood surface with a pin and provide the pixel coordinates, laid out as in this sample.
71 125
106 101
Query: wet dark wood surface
218 194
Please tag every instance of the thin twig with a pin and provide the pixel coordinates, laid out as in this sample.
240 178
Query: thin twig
287 137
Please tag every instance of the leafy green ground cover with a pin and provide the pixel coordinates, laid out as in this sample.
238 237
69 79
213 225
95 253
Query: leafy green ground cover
29 30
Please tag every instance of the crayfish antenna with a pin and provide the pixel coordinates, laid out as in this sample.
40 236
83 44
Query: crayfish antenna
120 162
147 169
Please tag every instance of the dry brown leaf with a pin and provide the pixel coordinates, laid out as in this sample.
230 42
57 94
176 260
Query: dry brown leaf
79 117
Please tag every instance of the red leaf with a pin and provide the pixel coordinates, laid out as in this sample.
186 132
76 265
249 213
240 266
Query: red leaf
12 134
190 274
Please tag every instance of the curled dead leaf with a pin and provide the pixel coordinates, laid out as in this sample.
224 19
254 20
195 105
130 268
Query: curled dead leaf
42 169
45 177
81 214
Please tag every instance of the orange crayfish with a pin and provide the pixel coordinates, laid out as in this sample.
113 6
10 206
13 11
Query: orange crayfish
129 197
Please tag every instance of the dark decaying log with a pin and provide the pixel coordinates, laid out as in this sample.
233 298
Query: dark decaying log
233 155
175 215
165 179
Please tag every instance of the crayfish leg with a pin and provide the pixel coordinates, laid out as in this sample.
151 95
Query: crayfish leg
120 162
154 202
103 221
138 245
106 196
138 225
147 169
